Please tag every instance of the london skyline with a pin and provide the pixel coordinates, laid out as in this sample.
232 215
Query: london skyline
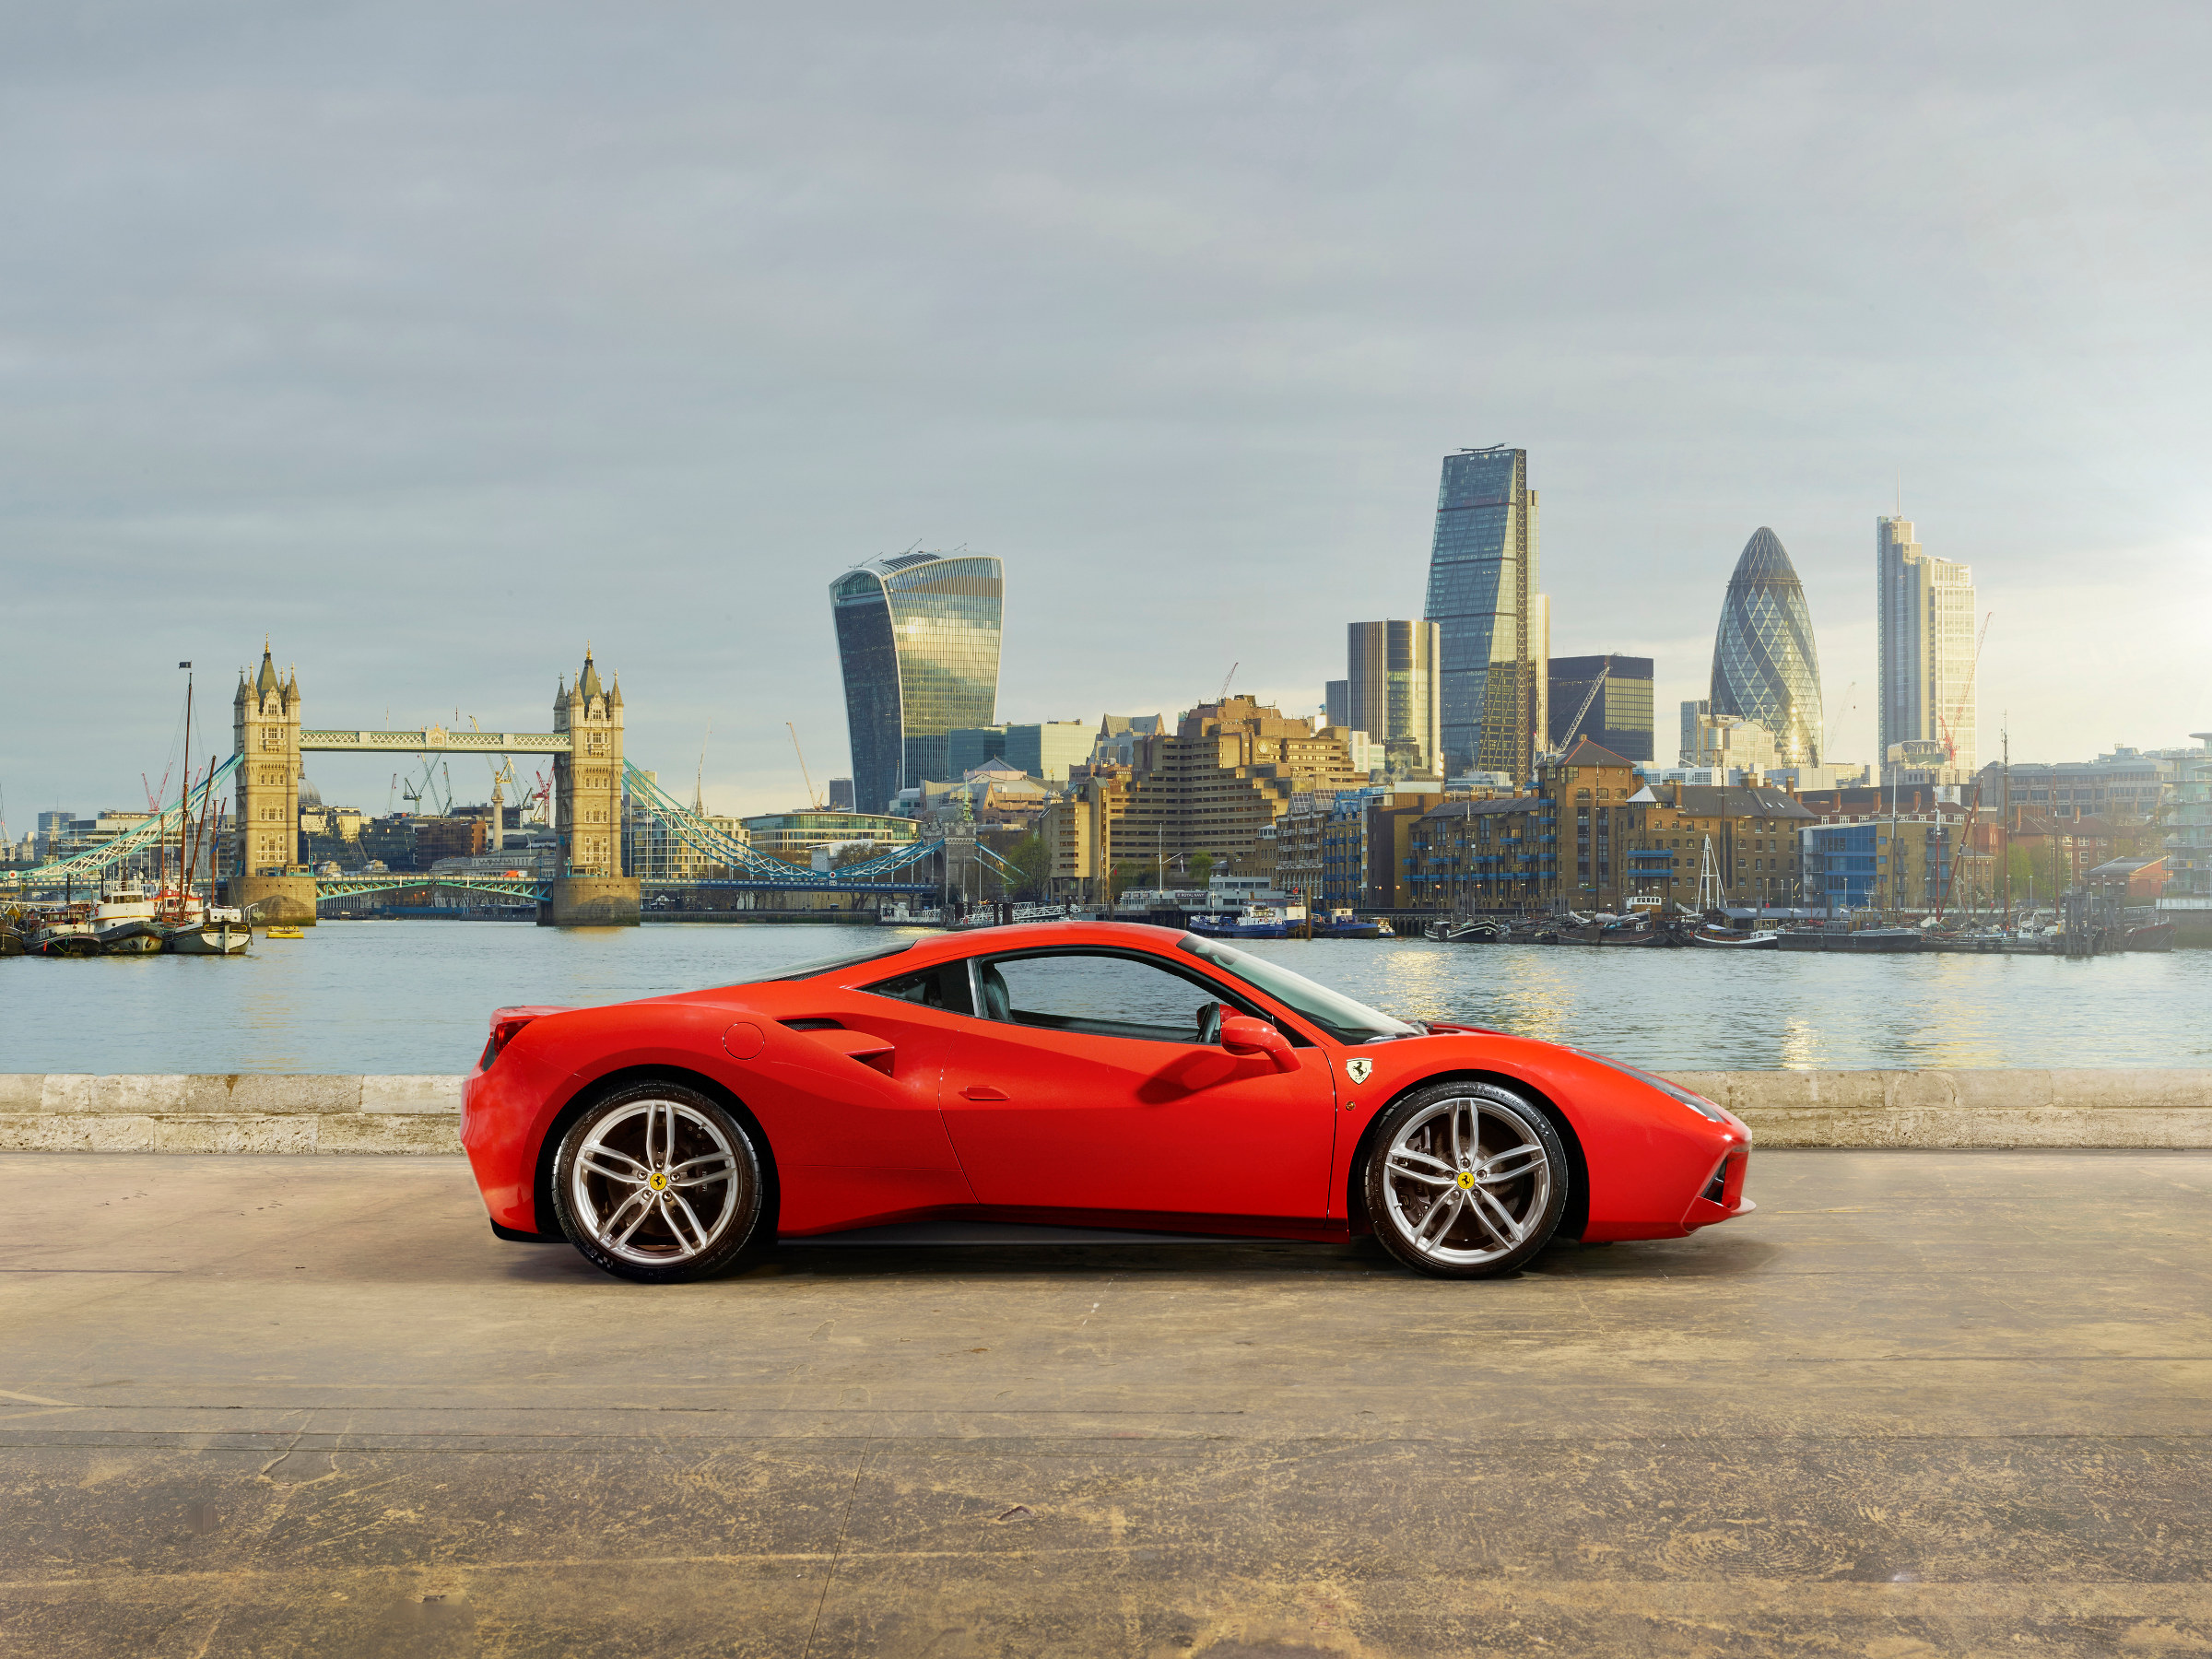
1159 310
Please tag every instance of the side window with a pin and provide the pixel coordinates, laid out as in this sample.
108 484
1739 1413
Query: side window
945 987
1099 996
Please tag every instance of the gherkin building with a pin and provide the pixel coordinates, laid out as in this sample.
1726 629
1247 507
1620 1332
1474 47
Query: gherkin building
1764 664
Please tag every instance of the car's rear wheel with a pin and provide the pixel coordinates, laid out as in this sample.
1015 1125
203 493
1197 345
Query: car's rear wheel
1465 1180
658 1183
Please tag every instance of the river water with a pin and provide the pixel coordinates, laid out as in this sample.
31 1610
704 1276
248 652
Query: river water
414 997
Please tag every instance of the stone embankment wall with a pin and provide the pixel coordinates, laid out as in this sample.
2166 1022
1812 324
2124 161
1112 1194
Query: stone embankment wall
251 1113
241 1112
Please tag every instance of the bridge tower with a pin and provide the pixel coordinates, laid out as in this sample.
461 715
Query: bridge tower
589 888
265 723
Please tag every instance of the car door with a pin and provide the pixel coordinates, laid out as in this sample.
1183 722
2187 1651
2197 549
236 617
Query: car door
1086 1086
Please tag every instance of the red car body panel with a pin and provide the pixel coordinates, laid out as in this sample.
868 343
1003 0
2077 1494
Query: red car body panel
877 1110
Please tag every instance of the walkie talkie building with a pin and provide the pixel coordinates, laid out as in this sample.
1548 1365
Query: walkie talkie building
1765 666
918 638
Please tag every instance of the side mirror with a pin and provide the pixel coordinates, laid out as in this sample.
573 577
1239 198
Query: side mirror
1243 1035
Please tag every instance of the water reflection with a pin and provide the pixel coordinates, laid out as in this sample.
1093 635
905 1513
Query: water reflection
413 996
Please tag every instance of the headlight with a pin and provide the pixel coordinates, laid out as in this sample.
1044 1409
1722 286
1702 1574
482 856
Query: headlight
1674 1091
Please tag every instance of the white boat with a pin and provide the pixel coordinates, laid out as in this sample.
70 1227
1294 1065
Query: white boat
220 931
125 921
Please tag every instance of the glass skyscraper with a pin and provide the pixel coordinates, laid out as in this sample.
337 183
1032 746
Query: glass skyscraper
917 637
1391 690
1764 664
1482 595
1613 693
1927 642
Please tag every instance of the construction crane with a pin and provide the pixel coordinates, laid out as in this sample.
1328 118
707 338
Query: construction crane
1221 695
1596 686
1949 727
813 805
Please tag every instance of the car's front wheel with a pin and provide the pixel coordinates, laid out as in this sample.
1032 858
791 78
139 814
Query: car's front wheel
1465 1180
658 1183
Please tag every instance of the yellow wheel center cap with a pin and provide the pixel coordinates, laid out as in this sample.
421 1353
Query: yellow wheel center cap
658 1181
1467 1180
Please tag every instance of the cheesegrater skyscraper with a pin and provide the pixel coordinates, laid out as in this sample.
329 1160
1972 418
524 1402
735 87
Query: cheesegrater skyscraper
1495 626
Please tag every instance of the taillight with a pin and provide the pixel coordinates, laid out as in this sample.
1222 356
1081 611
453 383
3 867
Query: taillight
505 1024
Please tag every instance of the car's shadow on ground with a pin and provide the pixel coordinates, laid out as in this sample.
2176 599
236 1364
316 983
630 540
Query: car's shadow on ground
1695 1257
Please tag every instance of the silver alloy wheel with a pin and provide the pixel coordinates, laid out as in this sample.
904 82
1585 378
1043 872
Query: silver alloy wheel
656 1182
1465 1180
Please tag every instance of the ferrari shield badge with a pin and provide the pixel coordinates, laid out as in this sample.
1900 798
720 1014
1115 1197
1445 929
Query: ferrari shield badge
1356 1070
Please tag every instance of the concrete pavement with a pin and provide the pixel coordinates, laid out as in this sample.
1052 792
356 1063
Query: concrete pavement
1919 1402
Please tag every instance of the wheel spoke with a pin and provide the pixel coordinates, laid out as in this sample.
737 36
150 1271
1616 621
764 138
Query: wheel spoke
1510 1165
1448 1208
1458 1151
1401 1163
1484 1204
698 1172
603 1161
641 1200
699 1232
688 1243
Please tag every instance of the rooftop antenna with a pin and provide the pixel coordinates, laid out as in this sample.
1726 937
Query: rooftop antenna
699 780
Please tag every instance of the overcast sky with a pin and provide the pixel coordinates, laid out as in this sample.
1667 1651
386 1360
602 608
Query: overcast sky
433 341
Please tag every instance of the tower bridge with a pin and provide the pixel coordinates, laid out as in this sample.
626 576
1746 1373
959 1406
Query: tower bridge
587 885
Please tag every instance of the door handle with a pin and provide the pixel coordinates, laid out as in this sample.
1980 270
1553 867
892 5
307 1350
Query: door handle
982 1092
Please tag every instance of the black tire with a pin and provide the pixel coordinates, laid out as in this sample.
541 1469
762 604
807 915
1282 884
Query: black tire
1421 1159
695 1202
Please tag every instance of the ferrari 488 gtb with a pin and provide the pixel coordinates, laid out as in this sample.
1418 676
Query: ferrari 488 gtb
1091 1074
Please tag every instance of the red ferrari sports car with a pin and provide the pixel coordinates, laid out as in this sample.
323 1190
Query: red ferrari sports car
1073 1073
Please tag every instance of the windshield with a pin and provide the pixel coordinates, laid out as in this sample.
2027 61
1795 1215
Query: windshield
1340 1017
851 958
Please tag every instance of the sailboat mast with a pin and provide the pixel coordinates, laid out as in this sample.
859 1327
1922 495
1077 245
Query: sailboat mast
184 796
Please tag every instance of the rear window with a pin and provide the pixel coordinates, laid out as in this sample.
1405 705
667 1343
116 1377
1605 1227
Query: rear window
851 958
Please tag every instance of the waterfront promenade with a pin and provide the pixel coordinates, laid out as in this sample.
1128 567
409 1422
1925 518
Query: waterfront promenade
1920 1404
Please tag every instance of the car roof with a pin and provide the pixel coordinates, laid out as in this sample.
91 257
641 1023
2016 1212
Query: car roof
1032 936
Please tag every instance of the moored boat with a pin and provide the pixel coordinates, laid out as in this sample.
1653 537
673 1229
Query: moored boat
1714 938
125 921
1253 922
220 932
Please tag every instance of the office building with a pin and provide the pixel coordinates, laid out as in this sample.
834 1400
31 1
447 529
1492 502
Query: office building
1390 692
1617 691
1765 666
1044 751
918 638
2124 787
1926 692
1119 737
1229 769
1336 702
840 795
1495 625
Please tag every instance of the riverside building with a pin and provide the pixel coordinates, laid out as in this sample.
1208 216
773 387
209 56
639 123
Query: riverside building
1765 665
918 639
1594 836
1228 771
1925 689
1495 626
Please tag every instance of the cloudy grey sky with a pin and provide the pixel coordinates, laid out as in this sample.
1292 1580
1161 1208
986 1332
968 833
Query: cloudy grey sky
433 340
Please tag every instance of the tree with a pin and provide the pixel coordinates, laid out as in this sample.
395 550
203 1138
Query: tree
1201 866
1031 867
